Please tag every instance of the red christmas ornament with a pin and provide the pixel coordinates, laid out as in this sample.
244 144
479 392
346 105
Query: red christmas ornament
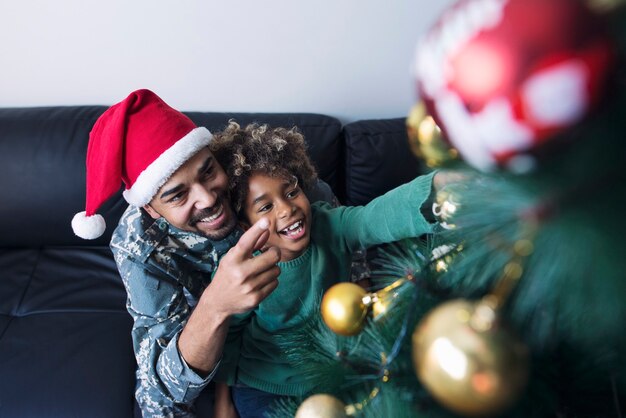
501 77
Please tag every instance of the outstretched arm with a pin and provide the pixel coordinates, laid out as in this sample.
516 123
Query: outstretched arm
403 212
393 216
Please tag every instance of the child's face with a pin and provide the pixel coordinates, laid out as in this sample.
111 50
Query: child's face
286 207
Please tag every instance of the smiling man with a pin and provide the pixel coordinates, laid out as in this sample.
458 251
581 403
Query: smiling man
205 183
167 246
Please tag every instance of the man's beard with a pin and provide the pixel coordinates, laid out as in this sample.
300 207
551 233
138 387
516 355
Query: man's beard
224 230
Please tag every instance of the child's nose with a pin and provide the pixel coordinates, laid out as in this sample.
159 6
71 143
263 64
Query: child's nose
285 209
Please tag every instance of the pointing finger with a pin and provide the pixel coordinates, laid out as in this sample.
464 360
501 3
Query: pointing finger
253 239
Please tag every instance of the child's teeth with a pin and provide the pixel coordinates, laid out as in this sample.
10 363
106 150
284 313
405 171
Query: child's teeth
292 227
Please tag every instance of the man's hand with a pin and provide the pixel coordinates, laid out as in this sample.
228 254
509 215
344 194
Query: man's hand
243 281
240 283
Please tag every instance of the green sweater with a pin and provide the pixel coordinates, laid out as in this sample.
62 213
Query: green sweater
335 234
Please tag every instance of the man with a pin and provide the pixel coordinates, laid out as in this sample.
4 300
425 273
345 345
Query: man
167 246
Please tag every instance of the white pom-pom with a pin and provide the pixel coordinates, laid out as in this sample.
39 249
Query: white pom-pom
88 227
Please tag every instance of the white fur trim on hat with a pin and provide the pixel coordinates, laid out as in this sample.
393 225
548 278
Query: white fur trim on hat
156 174
88 227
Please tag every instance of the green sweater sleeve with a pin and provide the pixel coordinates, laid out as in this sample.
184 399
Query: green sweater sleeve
391 217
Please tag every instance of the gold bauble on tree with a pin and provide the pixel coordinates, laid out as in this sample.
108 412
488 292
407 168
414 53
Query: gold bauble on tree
468 360
345 307
426 139
321 406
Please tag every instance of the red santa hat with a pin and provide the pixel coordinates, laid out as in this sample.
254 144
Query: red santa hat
140 142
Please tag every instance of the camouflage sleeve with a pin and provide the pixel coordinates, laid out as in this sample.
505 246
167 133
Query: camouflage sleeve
166 385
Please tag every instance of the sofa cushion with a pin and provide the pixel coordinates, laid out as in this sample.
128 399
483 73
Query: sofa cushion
65 345
377 159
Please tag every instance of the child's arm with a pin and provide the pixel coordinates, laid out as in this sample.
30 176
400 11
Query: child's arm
224 406
394 216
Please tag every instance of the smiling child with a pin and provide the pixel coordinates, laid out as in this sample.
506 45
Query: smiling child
269 174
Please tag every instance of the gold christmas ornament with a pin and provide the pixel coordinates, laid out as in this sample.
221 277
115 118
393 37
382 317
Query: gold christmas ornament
467 360
426 139
344 308
321 406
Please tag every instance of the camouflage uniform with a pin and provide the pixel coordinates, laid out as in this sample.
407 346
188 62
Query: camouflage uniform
164 271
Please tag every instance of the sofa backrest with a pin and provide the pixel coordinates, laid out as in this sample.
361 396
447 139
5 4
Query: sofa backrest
377 158
42 167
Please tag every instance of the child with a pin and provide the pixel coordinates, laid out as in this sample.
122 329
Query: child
269 172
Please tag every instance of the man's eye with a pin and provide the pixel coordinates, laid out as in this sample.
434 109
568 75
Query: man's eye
176 198
207 173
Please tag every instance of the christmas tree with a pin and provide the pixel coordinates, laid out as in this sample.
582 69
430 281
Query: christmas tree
516 305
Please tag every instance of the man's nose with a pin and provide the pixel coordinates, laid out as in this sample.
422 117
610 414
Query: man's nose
203 197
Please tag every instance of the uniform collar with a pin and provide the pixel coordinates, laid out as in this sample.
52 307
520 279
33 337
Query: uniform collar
148 234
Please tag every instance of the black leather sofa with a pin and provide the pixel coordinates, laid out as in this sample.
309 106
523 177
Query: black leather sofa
65 347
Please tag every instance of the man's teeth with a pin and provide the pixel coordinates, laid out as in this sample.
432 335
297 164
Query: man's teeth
214 216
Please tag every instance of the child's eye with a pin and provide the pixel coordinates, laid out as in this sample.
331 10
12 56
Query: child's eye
293 193
265 208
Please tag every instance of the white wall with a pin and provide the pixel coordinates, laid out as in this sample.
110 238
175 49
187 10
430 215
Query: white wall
346 58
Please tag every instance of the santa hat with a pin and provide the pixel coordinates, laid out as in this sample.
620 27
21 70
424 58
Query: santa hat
141 142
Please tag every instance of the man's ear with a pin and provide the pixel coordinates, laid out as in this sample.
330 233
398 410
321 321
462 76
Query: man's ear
153 213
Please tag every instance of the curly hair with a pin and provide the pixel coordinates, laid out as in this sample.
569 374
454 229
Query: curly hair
276 152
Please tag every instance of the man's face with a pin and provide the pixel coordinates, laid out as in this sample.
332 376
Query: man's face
287 209
195 198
